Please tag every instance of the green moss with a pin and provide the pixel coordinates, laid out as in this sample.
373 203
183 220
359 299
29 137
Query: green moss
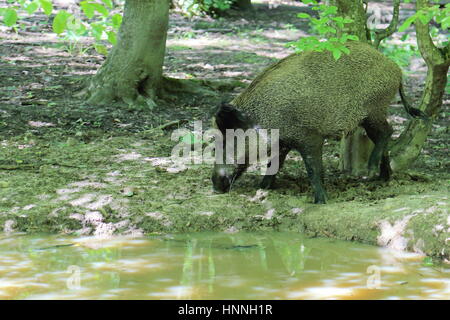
52 181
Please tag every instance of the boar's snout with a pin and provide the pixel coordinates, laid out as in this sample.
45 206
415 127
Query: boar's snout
223 177
221 183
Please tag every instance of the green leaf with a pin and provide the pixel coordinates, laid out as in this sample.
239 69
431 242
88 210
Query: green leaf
32 7
97 30
112 37
88 9
60 21
101 9
108 3
407 23
424 18
10 17
329 10
47 6
117 20
101 49
303 15
352 37
345 50
76 26
190 139
329 30
445 24
337 54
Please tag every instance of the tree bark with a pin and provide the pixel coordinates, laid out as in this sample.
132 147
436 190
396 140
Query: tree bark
353 9
408 146
243 4
133 70
384 33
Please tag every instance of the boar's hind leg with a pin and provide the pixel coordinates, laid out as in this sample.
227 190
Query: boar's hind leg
312 157
379 132
269 179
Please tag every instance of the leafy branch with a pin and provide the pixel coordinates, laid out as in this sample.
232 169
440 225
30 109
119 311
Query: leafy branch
384 33
98 19
325 26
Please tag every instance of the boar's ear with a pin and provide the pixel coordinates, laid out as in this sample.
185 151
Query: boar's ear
228 117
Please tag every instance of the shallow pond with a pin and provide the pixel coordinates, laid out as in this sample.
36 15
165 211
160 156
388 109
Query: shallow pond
212 266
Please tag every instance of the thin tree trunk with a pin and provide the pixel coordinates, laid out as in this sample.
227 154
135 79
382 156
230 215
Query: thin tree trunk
133 70
353 9
408 146
243 4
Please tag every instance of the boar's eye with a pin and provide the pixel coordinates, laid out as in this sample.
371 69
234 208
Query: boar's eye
228 117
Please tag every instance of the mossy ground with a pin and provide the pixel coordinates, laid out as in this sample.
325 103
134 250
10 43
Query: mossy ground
69 167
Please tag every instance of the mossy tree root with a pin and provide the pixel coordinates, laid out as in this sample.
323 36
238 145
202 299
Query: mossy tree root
133 70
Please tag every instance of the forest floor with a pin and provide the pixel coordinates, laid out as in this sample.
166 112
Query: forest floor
70 167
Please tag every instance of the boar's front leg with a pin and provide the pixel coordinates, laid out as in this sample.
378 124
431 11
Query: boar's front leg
269 179
312 157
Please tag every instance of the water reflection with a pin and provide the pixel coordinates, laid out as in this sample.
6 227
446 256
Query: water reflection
212 266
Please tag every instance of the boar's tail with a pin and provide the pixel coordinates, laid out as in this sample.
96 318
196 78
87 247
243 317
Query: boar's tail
413 112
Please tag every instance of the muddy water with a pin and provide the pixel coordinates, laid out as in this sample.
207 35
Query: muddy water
212 266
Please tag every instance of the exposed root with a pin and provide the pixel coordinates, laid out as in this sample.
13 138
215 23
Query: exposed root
176 86
145 93
199 86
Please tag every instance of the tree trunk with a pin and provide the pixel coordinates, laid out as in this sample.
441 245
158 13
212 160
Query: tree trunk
408 146
243 4
353 9
133 70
